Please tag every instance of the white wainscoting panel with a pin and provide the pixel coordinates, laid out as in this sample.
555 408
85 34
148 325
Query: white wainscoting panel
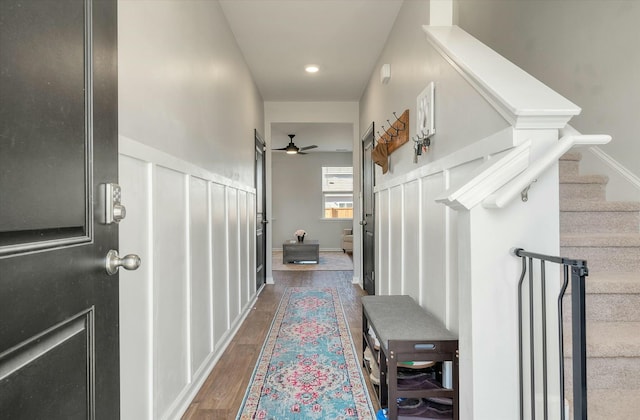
244 257
171 369
200 294
395 237
411 251
382 242
195 234
433 238
220 265
233 242
423 260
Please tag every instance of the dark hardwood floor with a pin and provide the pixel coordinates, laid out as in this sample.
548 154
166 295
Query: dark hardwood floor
222 393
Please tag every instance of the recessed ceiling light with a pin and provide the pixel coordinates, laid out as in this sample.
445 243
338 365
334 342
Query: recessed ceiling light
311 68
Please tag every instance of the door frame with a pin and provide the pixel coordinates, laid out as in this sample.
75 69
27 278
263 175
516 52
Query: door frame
364 221
261 148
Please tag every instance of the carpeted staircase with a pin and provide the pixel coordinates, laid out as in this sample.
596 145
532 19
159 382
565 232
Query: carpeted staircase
607 235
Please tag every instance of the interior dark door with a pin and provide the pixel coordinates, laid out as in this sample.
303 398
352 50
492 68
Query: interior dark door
368 211
261 217
58 144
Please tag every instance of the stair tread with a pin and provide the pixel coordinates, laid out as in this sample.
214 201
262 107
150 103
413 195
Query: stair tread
608 339
597 206
619 404
584 179
571 156
611 283
600 240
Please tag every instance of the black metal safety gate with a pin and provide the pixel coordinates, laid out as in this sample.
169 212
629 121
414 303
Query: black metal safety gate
576 270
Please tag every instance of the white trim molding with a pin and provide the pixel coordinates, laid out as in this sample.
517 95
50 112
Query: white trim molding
616 166
486 179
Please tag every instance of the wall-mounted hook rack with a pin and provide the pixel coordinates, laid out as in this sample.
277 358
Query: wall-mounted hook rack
397 134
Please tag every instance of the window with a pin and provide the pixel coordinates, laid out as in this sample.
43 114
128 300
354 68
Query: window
337 192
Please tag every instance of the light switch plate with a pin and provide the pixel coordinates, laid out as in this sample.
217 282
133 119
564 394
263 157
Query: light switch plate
385 73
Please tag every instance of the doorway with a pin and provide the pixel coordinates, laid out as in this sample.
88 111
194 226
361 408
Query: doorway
261 216
368 212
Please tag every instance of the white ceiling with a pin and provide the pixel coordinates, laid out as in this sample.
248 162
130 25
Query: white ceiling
343 37
279 37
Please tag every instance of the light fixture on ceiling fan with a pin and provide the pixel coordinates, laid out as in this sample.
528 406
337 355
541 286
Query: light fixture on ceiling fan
292 149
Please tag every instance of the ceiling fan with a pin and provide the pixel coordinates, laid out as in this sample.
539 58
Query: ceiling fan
292 149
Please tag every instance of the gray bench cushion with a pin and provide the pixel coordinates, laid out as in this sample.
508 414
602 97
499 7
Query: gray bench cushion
401 318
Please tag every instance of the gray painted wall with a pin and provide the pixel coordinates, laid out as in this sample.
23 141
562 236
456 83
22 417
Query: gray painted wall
297 198
586 50
462 116
184 87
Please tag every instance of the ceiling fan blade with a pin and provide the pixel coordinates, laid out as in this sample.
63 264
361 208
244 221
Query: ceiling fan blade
282 148
302 153
313 146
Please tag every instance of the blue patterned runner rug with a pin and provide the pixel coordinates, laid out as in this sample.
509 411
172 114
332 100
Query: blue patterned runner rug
308 368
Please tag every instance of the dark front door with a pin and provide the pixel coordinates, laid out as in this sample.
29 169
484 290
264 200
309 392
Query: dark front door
368 211
261 216
58 145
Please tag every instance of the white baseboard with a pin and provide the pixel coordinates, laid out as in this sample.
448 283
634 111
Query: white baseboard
623 185
616 166
181 404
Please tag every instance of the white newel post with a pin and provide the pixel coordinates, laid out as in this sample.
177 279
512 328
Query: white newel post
488 288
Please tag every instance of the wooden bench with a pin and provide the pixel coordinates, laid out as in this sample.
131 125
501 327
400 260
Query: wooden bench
407 333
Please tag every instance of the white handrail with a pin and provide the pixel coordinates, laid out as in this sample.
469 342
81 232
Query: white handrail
511 190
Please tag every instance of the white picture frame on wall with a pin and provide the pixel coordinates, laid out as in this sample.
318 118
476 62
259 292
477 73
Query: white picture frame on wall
425 121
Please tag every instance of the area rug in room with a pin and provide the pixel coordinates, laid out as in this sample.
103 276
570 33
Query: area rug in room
308 367
329 260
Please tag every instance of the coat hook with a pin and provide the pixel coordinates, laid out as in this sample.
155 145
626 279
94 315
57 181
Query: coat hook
381 139
391 126
401 122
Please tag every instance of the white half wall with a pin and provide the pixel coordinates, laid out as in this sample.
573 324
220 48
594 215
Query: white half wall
194 233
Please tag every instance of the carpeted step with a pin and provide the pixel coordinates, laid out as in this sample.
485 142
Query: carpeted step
604 252
583 187
608 339
609 297
609 404
569 163
587 216
606 235
613 355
